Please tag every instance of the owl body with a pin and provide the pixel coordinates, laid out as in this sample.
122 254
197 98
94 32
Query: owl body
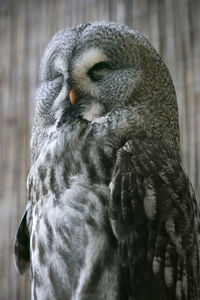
69 189
72 206
111 213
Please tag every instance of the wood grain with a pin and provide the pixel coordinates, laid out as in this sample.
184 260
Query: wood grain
173 27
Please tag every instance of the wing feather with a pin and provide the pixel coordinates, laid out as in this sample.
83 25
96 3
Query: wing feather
155 218
22 243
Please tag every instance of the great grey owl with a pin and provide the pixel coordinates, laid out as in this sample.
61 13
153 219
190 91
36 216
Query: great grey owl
111 213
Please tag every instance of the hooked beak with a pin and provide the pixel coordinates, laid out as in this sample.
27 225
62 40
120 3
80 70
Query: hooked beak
72 97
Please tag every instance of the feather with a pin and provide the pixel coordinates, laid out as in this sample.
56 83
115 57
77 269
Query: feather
154 198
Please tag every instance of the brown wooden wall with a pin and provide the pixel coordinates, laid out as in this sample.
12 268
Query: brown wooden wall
173 27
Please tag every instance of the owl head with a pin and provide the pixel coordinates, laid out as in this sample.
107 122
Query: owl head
98 68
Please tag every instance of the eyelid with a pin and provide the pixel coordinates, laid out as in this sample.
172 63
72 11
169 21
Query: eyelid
97 69
99 66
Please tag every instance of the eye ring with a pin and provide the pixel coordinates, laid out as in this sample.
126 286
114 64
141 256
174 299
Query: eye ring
97 71
59 74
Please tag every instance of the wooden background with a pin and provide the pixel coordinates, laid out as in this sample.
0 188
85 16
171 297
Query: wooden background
173 27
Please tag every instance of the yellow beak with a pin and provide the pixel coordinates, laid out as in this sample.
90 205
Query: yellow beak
73 97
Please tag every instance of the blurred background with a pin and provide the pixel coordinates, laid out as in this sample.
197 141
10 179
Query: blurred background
26 26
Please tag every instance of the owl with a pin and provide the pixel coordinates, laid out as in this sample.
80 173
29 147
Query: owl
111 213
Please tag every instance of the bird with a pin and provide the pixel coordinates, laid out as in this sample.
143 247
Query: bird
111 213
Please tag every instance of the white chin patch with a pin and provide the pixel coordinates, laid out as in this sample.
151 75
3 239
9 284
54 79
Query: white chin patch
94 111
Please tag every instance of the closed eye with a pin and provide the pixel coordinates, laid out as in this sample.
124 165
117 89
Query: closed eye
97 71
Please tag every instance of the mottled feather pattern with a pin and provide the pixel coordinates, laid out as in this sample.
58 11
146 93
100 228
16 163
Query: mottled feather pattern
158 205
69 213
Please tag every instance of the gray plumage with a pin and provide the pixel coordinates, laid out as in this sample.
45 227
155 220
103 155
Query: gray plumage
111 213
